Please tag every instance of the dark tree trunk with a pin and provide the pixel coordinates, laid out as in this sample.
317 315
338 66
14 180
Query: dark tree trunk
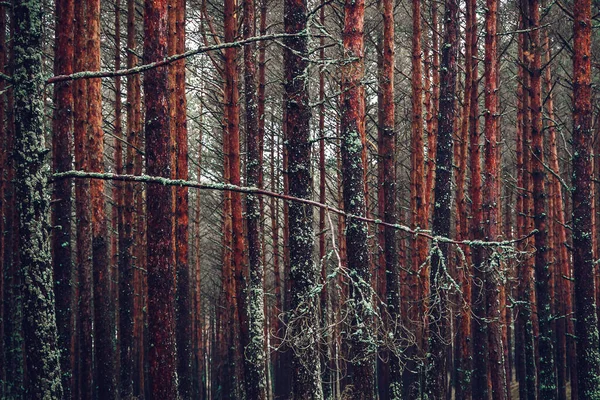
361 344
438 324
254 353
547 373
126 259
33 199
304 273
160 257
62 153
104 316
387 158
586 326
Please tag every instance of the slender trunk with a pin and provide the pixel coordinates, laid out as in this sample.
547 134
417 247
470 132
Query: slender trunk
387 153
463 361
62 154
254 353
126 259
161 285
438 326
490 205
83 210
3 203
33 199
432 130
586 328
103 307
419 276
184 299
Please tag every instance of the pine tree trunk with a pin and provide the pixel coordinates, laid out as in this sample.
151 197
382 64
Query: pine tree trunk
62 153
304 273
387 153
438 324
490 206
586 327
33 199
254 353
463 357
184 299
362 347
161 274
83 210
104 317
419 276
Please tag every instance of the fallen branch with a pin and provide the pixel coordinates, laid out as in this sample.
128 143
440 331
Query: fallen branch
254 190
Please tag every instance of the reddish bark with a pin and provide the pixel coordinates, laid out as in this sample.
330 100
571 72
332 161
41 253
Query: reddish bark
83 210
463 357
362 360
478 326
104 317
161 285
419 276
432 126
62 154
387 154
490 205
184 297
586 327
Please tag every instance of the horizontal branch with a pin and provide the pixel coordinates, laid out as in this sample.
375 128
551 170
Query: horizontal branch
254 190
161 63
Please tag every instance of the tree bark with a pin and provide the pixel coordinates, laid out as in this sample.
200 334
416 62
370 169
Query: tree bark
254 353
161 274
33 199
586 326
438 324
304 273
62 154
361 341
490 206
184 296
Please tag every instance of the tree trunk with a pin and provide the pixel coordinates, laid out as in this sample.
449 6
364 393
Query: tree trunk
490 205
438 324
62 154
103 308
33 199
304 273
161 285
184 297
361 342
419 276
83 210
254 353
586 327
387 158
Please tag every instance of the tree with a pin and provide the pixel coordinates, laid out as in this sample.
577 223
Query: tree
62 152
303 321
254 353
490 205
361 341
586 325
33 199
438 329
161 260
